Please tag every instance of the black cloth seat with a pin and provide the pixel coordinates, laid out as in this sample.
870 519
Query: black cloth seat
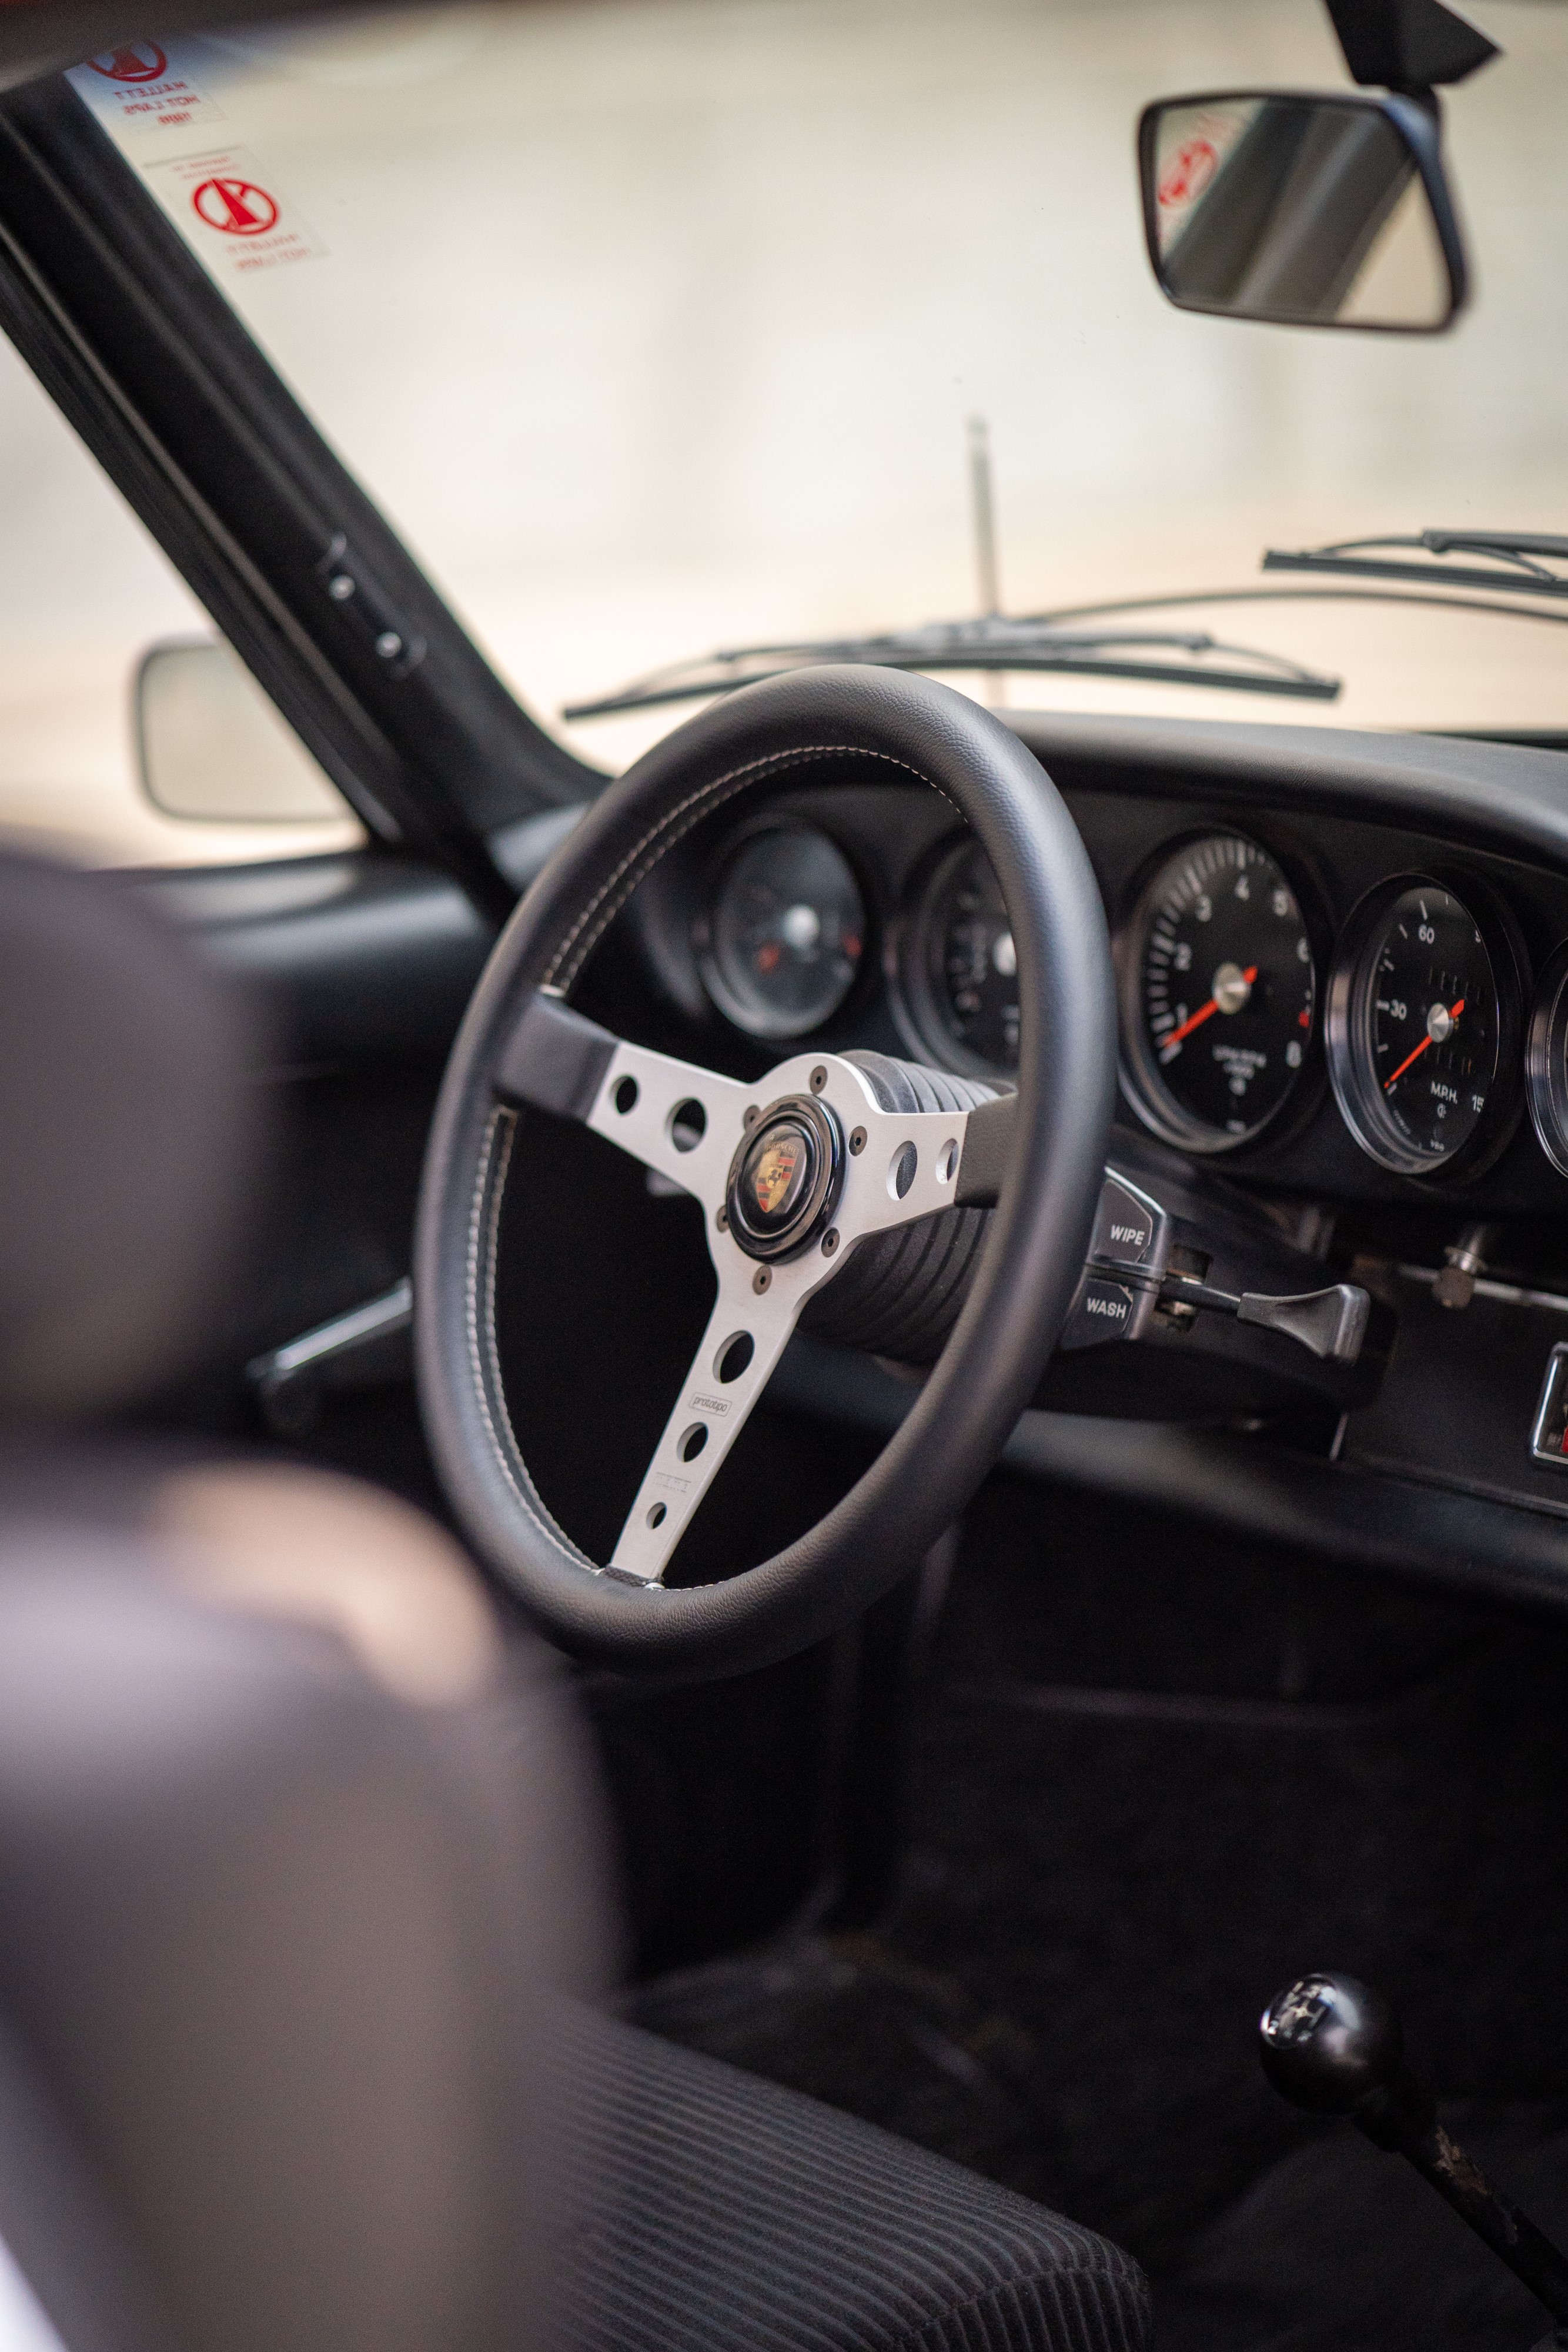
297 1854
721 2211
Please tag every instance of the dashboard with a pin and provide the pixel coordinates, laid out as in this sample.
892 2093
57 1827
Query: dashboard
1342 972
1345 1003
1455 1471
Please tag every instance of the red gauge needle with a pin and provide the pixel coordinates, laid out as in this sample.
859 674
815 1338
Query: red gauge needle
1193 1019
1454 1012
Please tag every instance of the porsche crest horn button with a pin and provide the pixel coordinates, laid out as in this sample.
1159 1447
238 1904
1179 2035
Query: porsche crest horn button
785 1178
777 1170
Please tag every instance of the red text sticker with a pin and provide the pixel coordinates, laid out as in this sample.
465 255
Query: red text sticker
138 61
238 207
143 87
231 208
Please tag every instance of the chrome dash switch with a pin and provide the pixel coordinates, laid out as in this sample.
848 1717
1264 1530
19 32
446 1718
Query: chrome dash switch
1548 1436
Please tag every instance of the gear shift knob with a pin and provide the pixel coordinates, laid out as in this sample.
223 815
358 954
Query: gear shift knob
1332 2045
1329 2042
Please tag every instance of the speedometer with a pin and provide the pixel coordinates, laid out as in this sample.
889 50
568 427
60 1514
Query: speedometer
1423 1012
1218 993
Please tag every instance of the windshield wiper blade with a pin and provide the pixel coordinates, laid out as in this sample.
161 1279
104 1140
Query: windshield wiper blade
1520 563
992 643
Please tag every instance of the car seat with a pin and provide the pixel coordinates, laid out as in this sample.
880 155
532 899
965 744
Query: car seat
302 1905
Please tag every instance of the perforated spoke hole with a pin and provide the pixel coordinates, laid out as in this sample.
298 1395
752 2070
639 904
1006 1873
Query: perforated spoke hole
901 1171
625 1095
657 1514
692 1444
687 1125
733 1356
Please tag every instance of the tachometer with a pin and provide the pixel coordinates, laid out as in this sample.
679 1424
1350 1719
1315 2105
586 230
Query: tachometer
784 932
1219 994
1423 1028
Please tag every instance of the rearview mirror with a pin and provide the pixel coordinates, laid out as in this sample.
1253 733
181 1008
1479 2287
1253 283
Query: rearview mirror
1308 212
211 747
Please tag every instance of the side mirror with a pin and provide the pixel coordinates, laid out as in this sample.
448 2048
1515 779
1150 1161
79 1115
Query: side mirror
211 747
1305 212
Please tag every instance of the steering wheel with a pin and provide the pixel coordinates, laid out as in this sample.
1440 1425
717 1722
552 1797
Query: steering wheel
830 1163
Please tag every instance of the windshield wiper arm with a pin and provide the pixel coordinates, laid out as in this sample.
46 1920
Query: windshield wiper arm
1520 561
992 643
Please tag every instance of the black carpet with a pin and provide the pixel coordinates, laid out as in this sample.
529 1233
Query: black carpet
1342 2246
1158 1776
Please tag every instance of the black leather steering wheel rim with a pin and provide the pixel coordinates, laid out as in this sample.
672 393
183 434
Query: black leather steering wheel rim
1040 1229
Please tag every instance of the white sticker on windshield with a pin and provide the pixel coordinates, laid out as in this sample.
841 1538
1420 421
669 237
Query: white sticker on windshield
234 212
141 88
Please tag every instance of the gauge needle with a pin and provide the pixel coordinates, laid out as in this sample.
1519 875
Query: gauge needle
1193 1019
1454 1012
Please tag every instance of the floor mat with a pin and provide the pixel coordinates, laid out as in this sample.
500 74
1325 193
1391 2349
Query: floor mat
1343 2246
848 2020
1158 1779
1336 2248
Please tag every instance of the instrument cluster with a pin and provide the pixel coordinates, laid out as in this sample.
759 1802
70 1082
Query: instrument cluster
1238 995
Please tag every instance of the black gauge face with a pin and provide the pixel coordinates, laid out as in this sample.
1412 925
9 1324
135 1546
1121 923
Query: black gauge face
1417 1018
967 979
1219 994
784 936
1547 1066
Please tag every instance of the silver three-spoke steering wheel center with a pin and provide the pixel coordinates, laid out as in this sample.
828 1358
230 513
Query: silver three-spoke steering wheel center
791 1174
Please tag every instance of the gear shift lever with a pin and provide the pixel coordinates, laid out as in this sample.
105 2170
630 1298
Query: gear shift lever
1334 2047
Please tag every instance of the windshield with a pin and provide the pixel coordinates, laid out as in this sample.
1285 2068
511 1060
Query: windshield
662 326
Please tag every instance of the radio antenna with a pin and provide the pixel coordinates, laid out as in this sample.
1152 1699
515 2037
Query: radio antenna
983 508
